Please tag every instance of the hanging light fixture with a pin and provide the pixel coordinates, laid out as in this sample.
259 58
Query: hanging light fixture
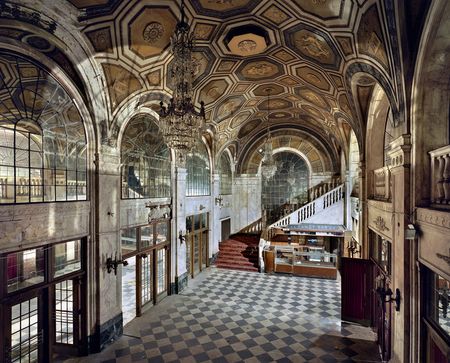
268 165
180 124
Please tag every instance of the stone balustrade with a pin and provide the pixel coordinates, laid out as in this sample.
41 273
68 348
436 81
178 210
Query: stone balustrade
324 187
440 175
382 184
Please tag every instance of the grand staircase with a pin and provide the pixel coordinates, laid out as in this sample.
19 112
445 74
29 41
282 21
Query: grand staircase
239 252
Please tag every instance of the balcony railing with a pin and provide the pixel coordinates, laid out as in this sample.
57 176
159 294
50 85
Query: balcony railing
440 175
382 184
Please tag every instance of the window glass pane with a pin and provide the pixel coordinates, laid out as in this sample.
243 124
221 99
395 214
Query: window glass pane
128 240
438 309
288 189
146 171
56 143
6 155
25 339
162 232
189 224
67 257
25 268
225 175
161 260
197 220
198 179
64 312
147 236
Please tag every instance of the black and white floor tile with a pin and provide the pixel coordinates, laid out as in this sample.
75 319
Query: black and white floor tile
234 316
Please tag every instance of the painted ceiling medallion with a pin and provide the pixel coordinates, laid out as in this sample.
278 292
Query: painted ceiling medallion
153 32
247 40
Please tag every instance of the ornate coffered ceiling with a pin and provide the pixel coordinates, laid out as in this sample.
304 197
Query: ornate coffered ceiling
305 51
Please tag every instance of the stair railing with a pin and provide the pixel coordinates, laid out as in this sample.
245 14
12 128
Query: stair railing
307 211
254 227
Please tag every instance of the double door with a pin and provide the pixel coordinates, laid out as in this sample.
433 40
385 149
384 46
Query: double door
43 324
144 281
197 252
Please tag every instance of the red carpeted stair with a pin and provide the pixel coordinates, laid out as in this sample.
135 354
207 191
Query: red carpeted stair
240 252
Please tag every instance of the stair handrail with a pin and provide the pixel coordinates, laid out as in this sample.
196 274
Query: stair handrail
254 227
308 210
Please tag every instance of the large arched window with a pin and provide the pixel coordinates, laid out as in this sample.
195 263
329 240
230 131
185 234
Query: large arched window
42 139
226 176
198 180
145 160
288 188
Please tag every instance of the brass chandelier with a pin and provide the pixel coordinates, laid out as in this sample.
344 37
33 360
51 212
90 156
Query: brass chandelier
268 165
180 124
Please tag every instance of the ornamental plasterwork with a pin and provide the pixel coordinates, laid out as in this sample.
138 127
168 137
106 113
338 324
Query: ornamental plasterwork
380 223
133 41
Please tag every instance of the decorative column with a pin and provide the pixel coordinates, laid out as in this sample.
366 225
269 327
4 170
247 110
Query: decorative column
109 322
179 245
402 264
215 218
363 211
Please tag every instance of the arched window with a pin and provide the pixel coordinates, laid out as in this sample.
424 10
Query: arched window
198 180
145 161
226 176
42 139
288 189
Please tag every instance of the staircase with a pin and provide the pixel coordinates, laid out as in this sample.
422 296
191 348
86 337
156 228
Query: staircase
326 209
239 252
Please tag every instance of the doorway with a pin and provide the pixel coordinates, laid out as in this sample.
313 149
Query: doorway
225 229
197 243
146 249
42 303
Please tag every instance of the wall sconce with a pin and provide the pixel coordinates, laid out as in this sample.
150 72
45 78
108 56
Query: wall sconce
410 232
111 214
181 237
388 294
113 264
201 207
219 200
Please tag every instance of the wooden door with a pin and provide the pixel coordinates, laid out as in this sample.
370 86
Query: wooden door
356 290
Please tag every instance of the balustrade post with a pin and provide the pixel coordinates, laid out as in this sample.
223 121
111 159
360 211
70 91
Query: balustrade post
440 180
446 179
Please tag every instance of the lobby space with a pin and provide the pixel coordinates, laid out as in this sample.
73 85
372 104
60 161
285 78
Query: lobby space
238 316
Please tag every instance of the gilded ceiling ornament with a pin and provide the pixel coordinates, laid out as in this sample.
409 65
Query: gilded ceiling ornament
260 69
247 46
202 31
313 46
276 15
153 32
220 2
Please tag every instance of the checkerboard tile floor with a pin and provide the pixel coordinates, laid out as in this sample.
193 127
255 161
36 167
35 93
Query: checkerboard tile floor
237 316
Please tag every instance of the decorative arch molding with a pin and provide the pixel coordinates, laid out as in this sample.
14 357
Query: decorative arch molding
319 160
317 140
55 28
356 70
430 96
60 76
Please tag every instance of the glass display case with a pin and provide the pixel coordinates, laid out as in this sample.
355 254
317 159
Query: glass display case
303 260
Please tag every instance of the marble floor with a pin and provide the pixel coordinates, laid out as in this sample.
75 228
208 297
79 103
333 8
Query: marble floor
237 316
